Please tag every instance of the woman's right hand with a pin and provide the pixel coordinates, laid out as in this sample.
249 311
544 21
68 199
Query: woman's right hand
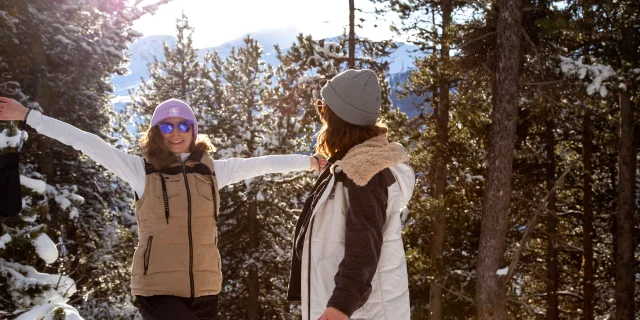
11 110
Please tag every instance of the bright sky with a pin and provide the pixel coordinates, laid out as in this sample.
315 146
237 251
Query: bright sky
218 21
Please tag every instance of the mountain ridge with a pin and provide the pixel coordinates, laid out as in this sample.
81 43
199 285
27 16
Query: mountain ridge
143 51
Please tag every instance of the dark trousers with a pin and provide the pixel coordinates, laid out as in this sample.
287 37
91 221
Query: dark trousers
172 307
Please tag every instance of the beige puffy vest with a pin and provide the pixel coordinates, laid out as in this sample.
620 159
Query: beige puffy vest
177 252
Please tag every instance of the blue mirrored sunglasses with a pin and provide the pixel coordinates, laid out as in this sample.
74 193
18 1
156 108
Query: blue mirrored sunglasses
183 126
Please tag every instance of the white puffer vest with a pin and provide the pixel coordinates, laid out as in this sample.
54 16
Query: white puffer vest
324 250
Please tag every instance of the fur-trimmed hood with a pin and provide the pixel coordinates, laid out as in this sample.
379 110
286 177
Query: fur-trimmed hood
365 160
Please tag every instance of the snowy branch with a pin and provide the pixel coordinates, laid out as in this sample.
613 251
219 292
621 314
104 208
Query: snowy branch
598 73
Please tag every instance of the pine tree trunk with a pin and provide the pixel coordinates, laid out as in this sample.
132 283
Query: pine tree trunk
625 263
490 289
552 253
442 139
43 96
352 35
253 272
587 151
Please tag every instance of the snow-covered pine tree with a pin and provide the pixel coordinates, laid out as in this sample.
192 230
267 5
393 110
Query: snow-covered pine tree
62 55
308 64
181 75
258 215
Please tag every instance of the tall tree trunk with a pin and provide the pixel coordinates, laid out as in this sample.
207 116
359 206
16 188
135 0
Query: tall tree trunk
43 96
587 151
253 272
253 308
625 263
552 253
352 35
442 139
490 289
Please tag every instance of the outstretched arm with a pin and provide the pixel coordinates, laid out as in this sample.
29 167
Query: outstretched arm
128 167
237 169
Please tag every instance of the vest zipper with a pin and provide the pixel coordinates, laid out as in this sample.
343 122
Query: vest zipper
215 200
215 207
309 270
147 254
186 183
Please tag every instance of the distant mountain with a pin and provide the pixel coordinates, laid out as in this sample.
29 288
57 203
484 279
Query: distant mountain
145 49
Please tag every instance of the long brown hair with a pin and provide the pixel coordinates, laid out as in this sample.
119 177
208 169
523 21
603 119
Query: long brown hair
338 136
154 150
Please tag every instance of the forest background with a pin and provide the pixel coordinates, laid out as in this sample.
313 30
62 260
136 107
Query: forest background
520 117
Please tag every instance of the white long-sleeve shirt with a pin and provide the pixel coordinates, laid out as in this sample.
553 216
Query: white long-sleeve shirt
130 168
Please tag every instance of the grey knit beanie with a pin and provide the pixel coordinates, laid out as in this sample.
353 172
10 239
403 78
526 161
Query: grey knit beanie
354 95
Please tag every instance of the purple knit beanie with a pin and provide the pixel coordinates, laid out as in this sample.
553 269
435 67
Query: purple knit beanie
174 108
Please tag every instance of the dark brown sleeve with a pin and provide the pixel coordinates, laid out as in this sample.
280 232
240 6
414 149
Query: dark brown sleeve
363 243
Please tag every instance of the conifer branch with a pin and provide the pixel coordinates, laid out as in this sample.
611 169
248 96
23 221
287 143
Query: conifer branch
488 34
457 293
531 224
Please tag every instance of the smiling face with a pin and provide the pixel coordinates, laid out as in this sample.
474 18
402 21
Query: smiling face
177 141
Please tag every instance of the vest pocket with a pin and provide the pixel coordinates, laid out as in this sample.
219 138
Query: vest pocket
147 254
204 186
172 183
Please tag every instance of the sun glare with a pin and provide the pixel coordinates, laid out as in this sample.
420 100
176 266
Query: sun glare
218 21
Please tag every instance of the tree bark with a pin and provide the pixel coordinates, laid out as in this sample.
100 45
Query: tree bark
253 288
552 253
490 289
43 96
440 183
352 35
587 151
625 263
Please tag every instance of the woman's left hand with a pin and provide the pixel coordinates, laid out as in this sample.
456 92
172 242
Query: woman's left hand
333 314
11 109
318 162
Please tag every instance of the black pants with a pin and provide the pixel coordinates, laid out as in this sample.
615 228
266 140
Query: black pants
172 307
10 188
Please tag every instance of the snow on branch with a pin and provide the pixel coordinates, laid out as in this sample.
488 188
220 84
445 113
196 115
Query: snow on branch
6 238
7 141
57 290
45 248
598 74
330 49
64 197
37 186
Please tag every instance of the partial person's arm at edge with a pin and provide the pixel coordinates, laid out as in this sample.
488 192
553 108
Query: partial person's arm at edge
128 167
233 170
365 221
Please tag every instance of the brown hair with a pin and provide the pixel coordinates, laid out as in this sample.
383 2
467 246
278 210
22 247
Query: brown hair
153 148
338 136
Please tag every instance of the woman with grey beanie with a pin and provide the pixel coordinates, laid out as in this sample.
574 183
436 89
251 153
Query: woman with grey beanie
348 260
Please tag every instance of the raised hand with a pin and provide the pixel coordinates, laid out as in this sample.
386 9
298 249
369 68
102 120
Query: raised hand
11 110
318 162
333 314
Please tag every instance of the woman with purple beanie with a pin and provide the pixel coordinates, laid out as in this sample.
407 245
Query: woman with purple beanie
176 271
